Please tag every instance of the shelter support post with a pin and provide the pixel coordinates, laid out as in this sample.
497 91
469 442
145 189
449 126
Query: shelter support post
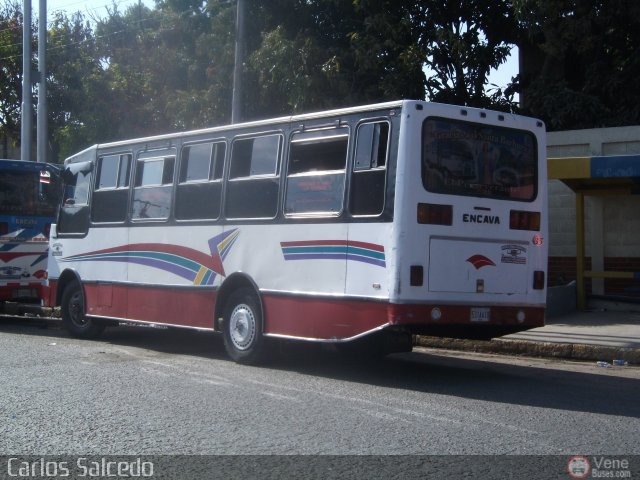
580 251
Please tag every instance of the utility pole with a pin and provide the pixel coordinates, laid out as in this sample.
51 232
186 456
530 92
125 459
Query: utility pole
236 100
27 108
41 155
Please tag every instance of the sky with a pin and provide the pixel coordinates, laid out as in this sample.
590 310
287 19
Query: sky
502 76
98 8
88 7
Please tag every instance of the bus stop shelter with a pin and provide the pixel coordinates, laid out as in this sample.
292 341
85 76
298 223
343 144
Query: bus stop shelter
595 176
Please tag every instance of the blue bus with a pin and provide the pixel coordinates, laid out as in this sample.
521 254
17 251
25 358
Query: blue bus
29 198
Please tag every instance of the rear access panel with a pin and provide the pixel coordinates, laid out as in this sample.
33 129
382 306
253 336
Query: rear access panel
477 266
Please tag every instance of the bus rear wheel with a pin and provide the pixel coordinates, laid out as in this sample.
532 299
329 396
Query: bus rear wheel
242 329
73 314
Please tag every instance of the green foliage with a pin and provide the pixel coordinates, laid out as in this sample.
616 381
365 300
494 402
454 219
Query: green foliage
588 68
462 42
146 71
74 85
11 21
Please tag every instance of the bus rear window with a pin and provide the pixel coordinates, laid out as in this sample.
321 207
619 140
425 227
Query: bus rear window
29 192
462 158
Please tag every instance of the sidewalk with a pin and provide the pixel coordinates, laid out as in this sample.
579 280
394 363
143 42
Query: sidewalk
598 335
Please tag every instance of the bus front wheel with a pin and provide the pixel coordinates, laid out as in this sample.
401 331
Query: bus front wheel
242 329
73 314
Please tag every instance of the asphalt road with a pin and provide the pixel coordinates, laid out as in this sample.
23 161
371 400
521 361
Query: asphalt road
143 391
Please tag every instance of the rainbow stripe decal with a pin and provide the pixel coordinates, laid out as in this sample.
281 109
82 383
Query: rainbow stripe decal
190 264
334 250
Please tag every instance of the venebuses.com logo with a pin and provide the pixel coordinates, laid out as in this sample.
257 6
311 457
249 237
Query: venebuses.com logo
578 467
598 467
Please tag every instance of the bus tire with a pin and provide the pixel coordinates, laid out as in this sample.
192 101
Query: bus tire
242 328
73 314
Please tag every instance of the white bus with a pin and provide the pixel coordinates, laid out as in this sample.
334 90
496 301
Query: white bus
374 222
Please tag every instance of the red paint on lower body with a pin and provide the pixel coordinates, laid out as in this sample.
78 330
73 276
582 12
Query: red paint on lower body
185 307
49 294
15 290
307 317
322 318
461 315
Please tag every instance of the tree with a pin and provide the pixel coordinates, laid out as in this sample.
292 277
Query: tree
169 68
134 64
75 87
201 94
72 70
148 71
316 54
11 21
462 42
583 67
320 54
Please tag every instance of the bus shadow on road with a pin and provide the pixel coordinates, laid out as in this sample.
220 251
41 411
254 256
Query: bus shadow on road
510 380
160 339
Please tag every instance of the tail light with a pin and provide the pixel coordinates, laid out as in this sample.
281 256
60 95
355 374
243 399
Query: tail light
47 230
433 214
519 220
538 280
4 228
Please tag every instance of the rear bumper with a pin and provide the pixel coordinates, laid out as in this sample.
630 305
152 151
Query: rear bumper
343 319
18 291
457 321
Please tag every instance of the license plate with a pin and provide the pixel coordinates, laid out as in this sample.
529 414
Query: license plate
480 314
24 292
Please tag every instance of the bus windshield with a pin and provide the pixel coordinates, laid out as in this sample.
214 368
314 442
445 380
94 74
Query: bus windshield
29 192
464 158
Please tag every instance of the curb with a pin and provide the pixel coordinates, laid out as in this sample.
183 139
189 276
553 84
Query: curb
533 349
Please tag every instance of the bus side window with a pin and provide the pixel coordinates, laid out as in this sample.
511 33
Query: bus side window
152 188
109 202
198 196
252 189
315 178
369 172
74 213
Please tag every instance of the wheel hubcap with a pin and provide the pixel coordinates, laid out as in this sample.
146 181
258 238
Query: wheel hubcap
242 327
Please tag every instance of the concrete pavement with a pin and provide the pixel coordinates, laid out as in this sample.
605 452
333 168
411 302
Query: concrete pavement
598 334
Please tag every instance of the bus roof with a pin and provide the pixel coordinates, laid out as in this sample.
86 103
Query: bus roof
233 126
90 151
26 165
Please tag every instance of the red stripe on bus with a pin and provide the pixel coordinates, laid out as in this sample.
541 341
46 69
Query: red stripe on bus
305 243
190 308
288 315
8 256
321 318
